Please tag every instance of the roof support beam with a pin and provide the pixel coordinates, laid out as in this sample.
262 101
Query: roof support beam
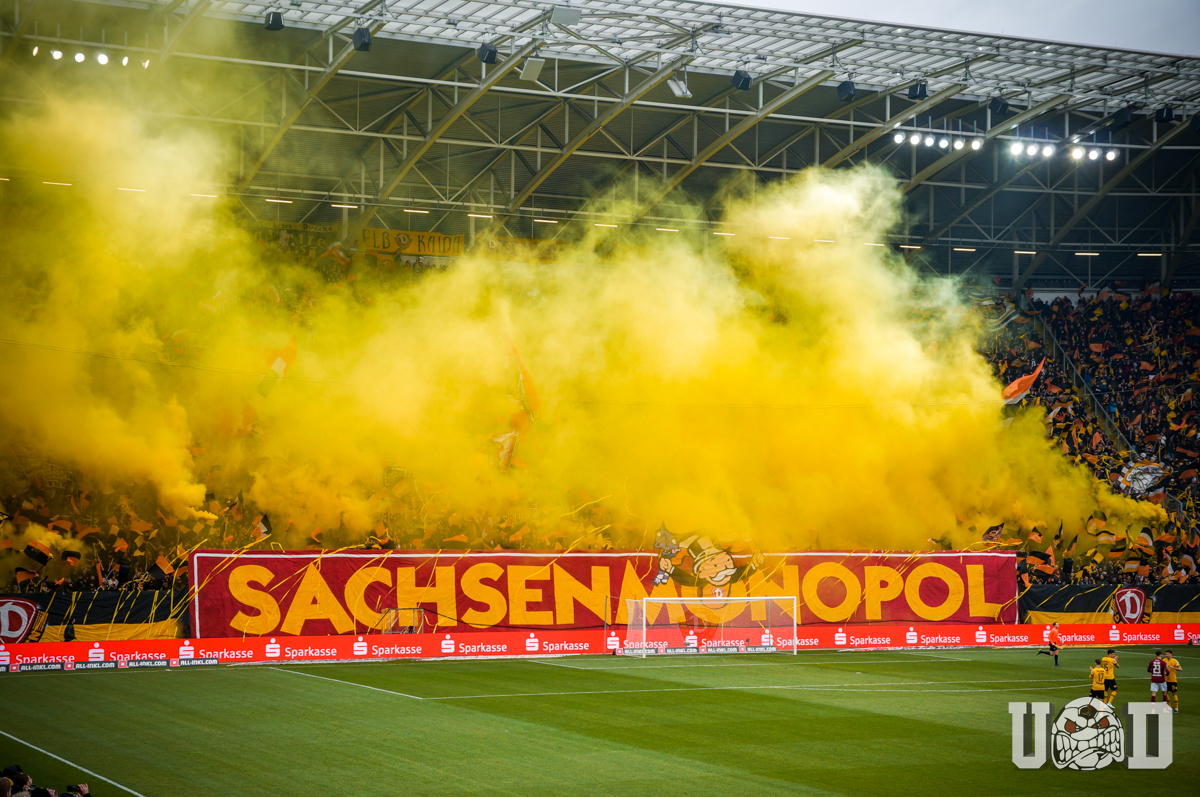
978 203
21 28
594 127
1095 199
734 132
314 88
193 14
418 151
878 95
876 133
950 158
1181 250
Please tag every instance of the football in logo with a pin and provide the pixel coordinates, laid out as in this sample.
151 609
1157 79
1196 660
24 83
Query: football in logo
1128 603
16 618
1087 735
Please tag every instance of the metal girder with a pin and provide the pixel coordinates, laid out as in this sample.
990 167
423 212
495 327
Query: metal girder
1184 237
22 26
1095 199
193 14
979 202
878 95
876 133
314 88
947 160
594 127
493 77
732 134
171 6
332 30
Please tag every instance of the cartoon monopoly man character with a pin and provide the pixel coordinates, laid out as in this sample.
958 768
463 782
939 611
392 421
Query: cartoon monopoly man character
711 569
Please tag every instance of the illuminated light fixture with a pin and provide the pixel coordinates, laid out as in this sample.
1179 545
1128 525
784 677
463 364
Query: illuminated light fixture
976 144
487 53
1087 254
101 58
206 196
565 15
929 141
35 49
679 88
909 246
125 61
1111 155
998 106
868 243
479 215
1149 254
823 241
943 143
918 91
959 143
1016 148
44 182
362 39
273 20
845 90
532 68
963 249
138 190
1093 154
1024 252
1077 153
724 233
598 224
4 179
280 201
666 229
414 210
1032 149
146 64
79 57
898 138
56 54
546 221
351 207
1047 150
914 139
778 238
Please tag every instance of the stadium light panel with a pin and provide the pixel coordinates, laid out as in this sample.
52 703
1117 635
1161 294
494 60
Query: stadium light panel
598 224
779 238
1016 148
279 201
679 88
1032 149
898 138
532 69
1149 254
350 207
414 210
959 143
943 143
101 58
479 215
1077 153
545 221
914 139
566 16
976 144
35 49
1093 154
47 182
963 249
1024 252
1087 254
138 190
79 58
929 141
909 246
1048 151
725 233
1110 155
823 241
206 196
56 54
661 229
146 64
125 61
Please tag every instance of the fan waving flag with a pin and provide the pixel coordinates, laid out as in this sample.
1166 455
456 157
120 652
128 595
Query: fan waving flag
993 533
1020 387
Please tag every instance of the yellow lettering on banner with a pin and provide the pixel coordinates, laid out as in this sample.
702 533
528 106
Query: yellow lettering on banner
633 589
976 597
567 590
912 591
441 590
882 585
356 589
315 601
268 609
473 587
520 596
844 610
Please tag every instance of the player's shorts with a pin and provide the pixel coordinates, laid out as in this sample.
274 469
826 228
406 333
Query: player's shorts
1053 647
1098 694
1157 687
1172 686
1110 684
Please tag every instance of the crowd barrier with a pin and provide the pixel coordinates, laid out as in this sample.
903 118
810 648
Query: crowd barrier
139 654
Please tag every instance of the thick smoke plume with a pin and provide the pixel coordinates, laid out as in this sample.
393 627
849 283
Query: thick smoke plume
787 385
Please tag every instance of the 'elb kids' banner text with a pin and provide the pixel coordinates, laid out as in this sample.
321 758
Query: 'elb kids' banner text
309 593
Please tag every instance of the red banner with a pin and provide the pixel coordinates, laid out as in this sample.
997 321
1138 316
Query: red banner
136 654
306 593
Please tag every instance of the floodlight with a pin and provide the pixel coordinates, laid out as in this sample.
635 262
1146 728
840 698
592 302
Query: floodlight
35 49
487 53
914 139
1032 149
678 88
1047 150
1077 153
79 58
998 106
959 143
362 39
1016 148
1165 115
943 142
1110 155
532 68
929 141
125 61
101 58
898 137
845 91
56 54
273 20
1093 154
565 16
976 143
918 91
741 80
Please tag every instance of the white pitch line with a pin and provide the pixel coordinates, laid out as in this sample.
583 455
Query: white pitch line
347 683
621 668
936 656
72 764
1080 683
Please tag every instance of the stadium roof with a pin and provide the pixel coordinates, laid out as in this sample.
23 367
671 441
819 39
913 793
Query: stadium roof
416 122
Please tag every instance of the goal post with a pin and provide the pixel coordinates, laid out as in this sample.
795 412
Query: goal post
710 625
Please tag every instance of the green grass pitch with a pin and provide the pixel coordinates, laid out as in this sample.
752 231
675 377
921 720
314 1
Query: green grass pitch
879 723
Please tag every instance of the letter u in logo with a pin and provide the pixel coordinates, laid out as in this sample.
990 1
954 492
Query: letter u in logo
1042 712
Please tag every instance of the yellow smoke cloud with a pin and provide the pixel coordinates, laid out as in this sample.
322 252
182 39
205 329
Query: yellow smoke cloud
788 384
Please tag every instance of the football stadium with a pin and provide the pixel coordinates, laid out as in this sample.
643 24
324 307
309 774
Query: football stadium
556 396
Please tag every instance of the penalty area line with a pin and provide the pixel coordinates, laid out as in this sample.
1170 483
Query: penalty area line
347 683
73 764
